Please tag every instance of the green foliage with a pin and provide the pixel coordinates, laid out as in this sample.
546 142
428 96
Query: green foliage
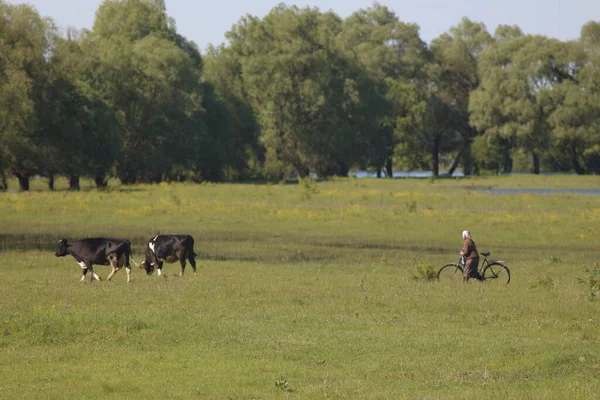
296 87
592 158
388 110
154 86
591 280
296 92
425 272
544 283
235 129
309 188
25 40
282 384
491 153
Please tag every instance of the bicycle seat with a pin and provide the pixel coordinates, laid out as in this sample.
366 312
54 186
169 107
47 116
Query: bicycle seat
486 254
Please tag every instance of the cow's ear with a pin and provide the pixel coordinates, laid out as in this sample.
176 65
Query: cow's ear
62 241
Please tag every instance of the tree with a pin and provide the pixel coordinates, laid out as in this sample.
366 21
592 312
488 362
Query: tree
238 144
453 76
514 100
81 126
151 77
25 40
291 77
389 57
574 120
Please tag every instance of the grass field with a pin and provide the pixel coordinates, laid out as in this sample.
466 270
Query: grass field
305 291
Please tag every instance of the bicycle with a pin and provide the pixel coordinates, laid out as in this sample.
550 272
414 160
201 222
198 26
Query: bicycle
489 269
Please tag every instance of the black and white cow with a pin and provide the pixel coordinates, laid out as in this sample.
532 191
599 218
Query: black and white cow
98 251
169 248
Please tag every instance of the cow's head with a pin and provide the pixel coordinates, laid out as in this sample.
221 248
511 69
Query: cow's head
147 263
147 266
62 248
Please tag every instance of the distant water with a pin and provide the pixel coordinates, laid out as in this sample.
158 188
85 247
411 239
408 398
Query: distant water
542 191
403 174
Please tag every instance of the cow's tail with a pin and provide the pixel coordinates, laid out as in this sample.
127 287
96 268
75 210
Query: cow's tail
131 257
133 261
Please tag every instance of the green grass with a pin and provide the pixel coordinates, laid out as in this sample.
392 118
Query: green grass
317 291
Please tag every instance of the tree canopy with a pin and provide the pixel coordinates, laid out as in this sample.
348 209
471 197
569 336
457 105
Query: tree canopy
294 93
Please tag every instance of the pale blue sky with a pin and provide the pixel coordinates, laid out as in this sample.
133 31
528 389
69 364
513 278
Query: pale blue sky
206 22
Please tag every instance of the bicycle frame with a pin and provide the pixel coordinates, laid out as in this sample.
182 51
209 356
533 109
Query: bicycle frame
488 269
482 265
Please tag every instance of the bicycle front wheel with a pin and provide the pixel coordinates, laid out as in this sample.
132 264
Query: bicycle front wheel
450 272
497 271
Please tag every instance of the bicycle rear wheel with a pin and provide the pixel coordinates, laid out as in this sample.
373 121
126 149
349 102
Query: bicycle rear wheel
496 271
450 272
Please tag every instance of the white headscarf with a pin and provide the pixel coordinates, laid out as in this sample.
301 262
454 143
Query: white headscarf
466 234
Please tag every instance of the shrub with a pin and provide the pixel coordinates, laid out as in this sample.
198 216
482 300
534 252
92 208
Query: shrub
592 280
424 271
309 188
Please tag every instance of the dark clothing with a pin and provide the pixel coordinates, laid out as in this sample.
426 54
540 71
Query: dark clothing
469 249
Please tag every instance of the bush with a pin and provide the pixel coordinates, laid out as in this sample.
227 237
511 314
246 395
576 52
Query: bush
592 280
424 272
309 188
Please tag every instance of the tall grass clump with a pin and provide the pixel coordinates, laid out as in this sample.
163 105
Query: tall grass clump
309 188
591 280
424 272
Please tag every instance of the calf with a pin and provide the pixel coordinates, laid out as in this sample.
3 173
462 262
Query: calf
169 248
99 251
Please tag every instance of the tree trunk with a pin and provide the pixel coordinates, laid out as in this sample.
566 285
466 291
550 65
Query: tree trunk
3 182
468 161
507 165
74 182
303 172
344 170
575 160
23 182
536 164
378 172
456 161
388 168
100 180
125 173
435 156
51 182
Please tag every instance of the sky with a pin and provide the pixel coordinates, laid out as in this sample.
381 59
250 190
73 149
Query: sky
205 22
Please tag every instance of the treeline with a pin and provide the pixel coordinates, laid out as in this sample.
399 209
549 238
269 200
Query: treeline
299 91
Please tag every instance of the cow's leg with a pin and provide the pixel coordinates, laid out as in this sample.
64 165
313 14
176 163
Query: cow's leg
112 273
84 270
114 263
85 267
92 273
193 262
127 266
157 263
125 258
182 261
